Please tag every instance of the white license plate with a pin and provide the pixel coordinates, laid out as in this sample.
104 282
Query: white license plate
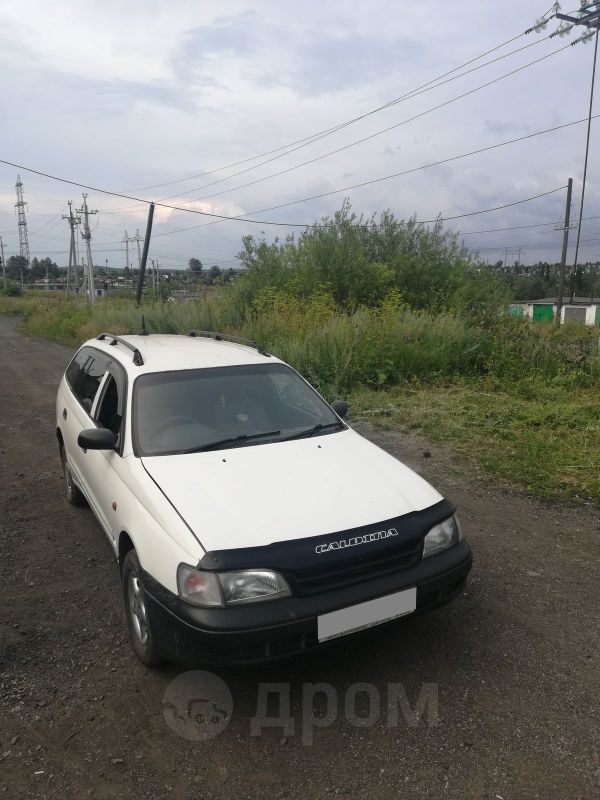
366 615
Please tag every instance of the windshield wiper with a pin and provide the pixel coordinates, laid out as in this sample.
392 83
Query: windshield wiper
243 437
307 432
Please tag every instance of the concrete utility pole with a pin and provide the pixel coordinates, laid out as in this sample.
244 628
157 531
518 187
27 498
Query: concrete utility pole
3 263
22 223
563 260
585 166
73 222
87 236
588 16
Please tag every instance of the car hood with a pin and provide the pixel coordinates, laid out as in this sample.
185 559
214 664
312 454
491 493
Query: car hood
257 495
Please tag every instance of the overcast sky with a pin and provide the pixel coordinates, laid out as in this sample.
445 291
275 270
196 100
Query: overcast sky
128 96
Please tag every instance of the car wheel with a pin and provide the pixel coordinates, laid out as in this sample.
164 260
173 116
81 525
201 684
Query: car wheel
74 495
139 618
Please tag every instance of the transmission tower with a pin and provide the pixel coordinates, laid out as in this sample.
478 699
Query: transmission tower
125 240
138 239
22 223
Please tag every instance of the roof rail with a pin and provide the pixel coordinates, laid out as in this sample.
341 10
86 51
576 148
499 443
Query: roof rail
224 337
137 356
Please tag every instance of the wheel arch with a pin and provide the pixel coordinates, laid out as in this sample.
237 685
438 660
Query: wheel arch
125 545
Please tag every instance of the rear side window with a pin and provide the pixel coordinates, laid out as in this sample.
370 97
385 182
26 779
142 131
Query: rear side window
84 374
76 368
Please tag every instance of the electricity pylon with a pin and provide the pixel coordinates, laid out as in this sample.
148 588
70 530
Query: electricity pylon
22 223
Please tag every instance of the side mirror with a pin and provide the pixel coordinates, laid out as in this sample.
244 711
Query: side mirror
340 407
97 439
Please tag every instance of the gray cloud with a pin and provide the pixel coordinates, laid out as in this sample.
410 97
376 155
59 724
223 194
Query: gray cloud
326 61
192 87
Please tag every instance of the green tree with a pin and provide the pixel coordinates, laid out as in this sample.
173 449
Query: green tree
195 266
214 272
14 266
40 268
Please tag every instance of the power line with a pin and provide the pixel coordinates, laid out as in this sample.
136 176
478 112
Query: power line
313 137
511 228
409 96
242 219
156 203
423 167
441 218
376 133
49 222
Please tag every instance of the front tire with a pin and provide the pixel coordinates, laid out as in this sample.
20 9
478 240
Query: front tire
74 495
139 618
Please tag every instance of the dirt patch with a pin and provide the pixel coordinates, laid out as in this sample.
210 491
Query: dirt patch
514 663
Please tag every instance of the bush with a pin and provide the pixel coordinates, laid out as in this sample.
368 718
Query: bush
359 261
12 290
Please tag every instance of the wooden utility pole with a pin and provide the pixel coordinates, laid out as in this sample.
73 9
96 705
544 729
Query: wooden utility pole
563 260
140 286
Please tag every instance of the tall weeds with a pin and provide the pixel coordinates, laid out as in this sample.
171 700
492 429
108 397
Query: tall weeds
376 346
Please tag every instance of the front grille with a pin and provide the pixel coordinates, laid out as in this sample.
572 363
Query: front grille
317 579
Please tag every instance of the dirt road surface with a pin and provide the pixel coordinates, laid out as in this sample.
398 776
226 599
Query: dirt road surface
510 671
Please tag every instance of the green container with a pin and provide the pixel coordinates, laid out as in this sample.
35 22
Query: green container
543 312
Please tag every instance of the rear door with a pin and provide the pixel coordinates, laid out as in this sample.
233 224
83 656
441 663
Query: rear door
83 377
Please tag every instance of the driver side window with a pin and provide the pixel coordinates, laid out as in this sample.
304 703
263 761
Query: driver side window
109 413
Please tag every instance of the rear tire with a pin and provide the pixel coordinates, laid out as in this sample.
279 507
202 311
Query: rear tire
139 618
74 495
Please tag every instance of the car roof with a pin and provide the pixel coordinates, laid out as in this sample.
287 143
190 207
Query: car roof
169 352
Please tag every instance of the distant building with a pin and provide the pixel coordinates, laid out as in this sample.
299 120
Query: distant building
580 310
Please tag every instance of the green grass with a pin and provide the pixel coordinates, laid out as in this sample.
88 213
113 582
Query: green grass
541 438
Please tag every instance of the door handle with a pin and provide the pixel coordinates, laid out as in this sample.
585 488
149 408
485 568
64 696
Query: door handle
64 413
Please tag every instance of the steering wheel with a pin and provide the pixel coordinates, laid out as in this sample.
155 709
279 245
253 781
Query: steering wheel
178 419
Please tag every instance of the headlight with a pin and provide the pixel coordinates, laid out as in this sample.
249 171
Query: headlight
228 588
252 584
442 536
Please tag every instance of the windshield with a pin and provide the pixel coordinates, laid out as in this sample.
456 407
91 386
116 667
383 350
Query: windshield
211 409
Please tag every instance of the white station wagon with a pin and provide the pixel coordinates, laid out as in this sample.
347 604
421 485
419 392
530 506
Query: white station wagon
249 520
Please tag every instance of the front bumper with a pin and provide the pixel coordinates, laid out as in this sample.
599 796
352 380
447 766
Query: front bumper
278 628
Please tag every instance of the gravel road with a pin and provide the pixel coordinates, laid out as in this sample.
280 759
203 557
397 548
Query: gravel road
510 671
